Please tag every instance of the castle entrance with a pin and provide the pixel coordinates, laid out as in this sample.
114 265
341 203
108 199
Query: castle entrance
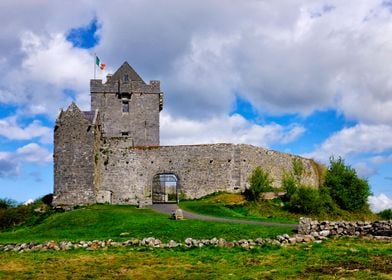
165 188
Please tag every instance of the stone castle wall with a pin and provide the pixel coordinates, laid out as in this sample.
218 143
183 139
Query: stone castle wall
74 164
128 172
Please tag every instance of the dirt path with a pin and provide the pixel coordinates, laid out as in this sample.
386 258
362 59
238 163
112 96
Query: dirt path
170 208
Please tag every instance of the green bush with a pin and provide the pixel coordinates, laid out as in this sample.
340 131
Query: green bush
259 182
14 216
6 203
345 187
305 201
386 214
290 185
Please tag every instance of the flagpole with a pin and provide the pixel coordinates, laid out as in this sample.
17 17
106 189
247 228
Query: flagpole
95 59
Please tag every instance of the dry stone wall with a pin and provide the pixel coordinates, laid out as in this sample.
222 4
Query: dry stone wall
341 228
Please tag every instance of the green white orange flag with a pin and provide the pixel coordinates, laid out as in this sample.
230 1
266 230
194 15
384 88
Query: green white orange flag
99 64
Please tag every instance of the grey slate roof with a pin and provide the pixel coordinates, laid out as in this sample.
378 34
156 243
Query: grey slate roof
89 115
127 69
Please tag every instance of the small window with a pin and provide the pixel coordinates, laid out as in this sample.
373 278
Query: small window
125 106
124 133
126 78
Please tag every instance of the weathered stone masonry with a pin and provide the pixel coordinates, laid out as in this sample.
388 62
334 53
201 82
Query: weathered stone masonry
112 153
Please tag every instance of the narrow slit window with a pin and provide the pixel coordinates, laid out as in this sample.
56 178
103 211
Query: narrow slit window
126 78
125 106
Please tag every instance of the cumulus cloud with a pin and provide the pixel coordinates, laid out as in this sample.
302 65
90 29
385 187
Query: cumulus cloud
51 68
34 153
282 56
236 129
380 202
358 139
10 129
11 162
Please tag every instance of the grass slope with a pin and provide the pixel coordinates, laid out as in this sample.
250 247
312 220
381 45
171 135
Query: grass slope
228 205
108 221
334 259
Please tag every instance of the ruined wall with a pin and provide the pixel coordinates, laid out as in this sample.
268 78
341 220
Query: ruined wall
128 172
275 163
74 162
140 122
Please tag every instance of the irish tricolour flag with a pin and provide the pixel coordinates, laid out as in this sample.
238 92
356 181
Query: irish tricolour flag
99 63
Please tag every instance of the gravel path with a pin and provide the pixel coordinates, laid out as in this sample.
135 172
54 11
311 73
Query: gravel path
170 208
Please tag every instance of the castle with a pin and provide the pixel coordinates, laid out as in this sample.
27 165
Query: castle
112 154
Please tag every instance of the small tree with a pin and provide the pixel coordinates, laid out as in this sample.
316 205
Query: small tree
345 187
259 182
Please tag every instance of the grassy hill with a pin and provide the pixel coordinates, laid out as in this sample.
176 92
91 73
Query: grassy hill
348 258
109 221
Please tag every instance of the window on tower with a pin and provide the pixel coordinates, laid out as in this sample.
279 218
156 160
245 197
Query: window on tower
126 78
125 106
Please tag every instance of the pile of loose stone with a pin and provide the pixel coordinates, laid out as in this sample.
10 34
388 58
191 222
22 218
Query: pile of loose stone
377 229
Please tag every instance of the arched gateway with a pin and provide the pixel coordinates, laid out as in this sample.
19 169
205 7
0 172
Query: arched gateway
165 188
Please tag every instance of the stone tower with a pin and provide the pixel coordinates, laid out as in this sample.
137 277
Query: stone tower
129 107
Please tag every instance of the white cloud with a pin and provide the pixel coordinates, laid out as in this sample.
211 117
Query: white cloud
358 139
364 169
50 67
10 129
34 153
380 202
282 56
224 129
29 201
11 162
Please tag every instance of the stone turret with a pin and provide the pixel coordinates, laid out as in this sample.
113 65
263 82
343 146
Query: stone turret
76 141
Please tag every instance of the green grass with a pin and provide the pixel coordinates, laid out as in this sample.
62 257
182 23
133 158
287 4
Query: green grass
108 221
233 211
227 205
334 259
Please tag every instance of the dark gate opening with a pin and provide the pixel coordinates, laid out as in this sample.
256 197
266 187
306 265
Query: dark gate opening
165 188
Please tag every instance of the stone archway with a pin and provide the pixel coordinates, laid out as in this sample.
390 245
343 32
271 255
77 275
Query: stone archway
165 188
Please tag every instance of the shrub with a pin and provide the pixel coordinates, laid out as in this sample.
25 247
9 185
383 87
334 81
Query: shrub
345 187
14 216
386 214
305 201
290 185
6 203
259 183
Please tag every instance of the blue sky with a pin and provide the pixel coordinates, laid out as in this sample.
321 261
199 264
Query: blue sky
304 77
